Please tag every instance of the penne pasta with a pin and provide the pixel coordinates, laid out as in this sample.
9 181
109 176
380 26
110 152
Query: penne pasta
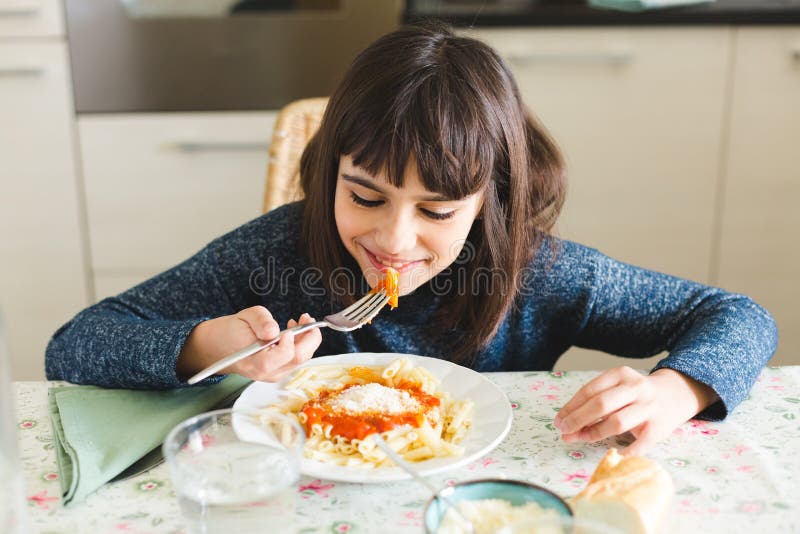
460 412
418 454
346 449
340 407
354 461
365 447
391 370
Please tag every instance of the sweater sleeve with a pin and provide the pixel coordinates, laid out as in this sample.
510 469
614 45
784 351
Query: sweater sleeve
718 338
133 340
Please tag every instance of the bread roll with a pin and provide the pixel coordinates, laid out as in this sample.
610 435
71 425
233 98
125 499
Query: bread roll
629 494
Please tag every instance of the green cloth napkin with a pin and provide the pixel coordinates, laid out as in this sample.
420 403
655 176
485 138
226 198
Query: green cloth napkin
642 5
100 432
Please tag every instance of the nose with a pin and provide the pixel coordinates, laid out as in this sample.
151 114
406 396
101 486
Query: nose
397 233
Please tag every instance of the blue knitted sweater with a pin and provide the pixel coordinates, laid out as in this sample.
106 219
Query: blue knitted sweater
574 296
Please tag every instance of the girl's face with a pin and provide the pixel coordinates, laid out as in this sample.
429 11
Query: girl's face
415 231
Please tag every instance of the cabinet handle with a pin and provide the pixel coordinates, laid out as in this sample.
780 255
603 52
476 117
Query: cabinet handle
611 57
21 71
20 9
796 52
216 146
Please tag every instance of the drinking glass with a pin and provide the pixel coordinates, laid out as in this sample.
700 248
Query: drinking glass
236 470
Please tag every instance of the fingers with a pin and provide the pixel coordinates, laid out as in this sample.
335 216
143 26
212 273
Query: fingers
601 383
619 401
277 355
303 347
625 419
307 342
291 351
261 322
646 437
597 399
602 407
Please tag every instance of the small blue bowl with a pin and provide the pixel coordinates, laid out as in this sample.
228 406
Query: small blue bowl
516 492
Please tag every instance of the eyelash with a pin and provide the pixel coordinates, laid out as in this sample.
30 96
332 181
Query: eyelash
435 215
364 202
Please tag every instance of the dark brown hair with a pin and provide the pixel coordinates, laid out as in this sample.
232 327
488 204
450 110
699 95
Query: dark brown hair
451 103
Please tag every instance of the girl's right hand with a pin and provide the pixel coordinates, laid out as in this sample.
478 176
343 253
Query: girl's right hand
215 339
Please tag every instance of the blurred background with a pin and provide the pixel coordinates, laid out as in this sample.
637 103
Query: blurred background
132 132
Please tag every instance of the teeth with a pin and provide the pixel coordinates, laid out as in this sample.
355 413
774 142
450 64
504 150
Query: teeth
393 264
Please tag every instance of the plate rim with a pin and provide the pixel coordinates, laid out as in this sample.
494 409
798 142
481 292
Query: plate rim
316 469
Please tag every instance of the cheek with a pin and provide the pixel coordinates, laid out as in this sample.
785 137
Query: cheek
346 231
341 224
442 245
348 223
448 245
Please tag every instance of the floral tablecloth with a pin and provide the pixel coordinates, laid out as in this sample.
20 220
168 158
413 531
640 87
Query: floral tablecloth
741 475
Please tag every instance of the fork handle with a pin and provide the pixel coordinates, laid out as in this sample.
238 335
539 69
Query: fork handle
250 350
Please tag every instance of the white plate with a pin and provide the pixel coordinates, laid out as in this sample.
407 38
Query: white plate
490 423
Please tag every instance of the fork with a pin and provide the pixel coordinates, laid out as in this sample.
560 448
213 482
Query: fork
350 318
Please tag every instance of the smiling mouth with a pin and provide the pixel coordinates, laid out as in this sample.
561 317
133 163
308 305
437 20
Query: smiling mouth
383 263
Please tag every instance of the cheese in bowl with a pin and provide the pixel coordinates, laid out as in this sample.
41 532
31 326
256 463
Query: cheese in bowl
498 506
340 407
494 516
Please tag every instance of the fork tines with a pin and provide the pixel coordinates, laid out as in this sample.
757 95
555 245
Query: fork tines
366 307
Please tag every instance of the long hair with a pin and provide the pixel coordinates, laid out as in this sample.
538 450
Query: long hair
451 103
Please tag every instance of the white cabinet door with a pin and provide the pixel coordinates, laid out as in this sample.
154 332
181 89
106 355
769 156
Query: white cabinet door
161 186
43 279
638 114
31 18
760 255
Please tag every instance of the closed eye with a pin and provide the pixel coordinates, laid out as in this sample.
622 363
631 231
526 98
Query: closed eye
438 215
364 202
435 215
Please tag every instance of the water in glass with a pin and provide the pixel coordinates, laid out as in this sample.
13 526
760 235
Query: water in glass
226 484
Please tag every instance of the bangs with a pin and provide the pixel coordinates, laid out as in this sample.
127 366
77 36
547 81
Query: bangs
441 126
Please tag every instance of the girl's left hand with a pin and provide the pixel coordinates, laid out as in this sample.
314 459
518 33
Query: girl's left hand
622 400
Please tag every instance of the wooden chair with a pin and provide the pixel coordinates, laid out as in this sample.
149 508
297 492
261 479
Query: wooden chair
296 123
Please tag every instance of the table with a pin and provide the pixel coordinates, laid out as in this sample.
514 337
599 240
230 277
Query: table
740 475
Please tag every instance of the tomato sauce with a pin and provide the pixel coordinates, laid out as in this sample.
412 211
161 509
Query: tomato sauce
360 425
390 282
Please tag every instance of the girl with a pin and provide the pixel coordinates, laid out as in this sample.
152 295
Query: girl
427 161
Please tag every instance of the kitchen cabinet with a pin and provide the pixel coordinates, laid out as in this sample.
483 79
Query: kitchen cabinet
160 186
758 251
31 19
42 247
639 115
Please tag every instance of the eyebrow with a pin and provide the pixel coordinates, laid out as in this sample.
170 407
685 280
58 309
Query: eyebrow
369 184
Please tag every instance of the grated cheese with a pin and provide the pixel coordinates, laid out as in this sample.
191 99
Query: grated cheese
491 516
373 397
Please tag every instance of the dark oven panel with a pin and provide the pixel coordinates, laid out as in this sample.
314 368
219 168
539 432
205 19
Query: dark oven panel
136 56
